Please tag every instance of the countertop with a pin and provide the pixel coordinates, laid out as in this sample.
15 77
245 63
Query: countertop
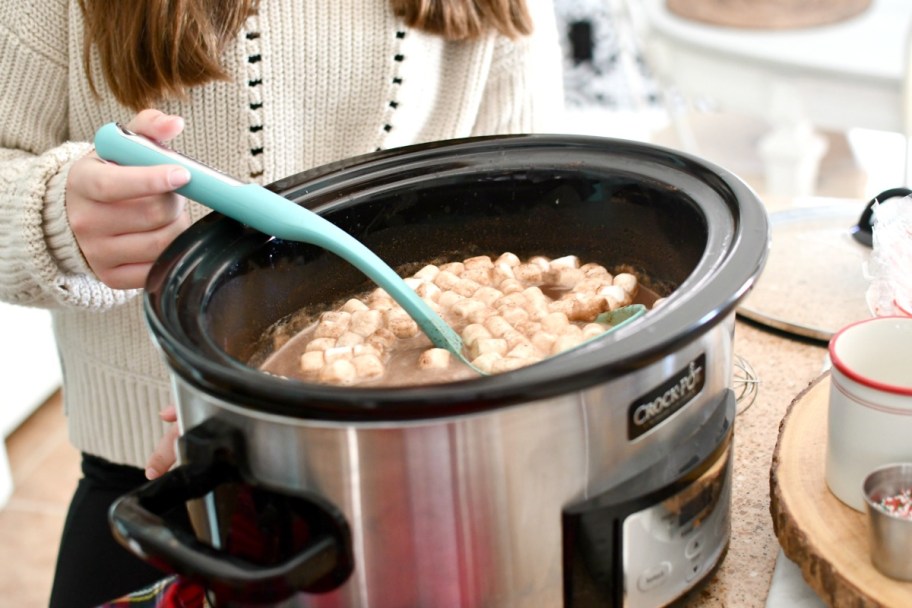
785 366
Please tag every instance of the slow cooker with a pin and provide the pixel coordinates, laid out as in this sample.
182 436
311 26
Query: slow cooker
598 477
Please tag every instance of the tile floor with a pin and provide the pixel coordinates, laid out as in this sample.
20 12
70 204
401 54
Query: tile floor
46 468
45 471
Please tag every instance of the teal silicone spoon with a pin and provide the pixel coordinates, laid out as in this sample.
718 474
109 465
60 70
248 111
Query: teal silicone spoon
275 215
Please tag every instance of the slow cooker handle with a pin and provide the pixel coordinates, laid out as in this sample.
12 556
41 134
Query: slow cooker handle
213 451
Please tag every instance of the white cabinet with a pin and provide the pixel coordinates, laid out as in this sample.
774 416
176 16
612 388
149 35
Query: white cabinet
29 373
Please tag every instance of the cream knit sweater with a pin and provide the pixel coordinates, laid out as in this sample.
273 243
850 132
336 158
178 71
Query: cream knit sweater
313 82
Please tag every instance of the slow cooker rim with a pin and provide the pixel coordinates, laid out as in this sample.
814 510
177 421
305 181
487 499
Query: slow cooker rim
228 378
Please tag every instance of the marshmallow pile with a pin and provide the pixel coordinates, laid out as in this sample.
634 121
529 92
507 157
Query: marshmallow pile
509 312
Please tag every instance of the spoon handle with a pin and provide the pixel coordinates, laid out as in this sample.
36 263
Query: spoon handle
275 215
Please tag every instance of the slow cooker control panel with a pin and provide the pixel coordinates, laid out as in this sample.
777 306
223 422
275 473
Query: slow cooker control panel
669 546
654 538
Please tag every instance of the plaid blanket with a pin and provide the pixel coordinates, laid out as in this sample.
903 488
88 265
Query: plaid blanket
171 592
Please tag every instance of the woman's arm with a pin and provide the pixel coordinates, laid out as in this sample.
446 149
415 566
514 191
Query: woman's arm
74 231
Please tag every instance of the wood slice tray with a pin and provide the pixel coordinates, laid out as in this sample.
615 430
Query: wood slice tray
827 539
768 14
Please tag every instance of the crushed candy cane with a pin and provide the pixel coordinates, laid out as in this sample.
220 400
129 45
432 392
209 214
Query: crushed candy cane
897 505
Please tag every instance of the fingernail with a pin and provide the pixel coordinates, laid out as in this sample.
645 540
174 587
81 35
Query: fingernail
178 177
151 474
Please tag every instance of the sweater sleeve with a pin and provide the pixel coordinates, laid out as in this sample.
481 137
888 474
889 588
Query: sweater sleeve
40 262
524 92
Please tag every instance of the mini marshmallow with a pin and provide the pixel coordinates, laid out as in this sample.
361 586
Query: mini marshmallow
320 344
468 309
500 272
591 330
456 268
514 338
366 322
540 261
529 328
486 362
312 361
382 340
511 300
563 306
538 309
480 275
543 341
365 349
628 282
479 261
566 342
555 323
497 325
564 277
336 353
429 292
446 280
525 350
488 295
534 292
350 339
427 273
595 271
508 364
448 298
434 358
332 324
378 294
400 323
514 315
382 304
510 259
473 332
615 295
591 285
466 287
529 273
568 261
482 346
588 308
511 286
368 366
339 372
354 305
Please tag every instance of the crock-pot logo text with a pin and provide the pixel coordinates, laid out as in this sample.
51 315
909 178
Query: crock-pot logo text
653 408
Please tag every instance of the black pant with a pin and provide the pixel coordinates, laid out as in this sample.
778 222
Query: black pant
92 567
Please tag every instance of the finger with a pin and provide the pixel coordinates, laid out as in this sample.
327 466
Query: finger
127 258
109 182
164 456
124 276
169 414
124 217
156 125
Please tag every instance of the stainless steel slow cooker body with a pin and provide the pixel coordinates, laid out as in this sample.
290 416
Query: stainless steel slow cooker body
454 494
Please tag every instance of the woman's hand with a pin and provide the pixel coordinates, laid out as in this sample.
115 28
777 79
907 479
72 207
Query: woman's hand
124 217
164 456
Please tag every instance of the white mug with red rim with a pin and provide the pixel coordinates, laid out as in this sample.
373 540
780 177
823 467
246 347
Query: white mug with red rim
870 408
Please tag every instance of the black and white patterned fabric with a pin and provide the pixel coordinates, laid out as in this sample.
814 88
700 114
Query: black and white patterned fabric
603 65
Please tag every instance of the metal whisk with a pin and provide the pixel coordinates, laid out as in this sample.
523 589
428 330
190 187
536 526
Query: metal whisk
745 383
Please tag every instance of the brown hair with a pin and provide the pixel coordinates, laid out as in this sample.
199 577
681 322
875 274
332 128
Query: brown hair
157 49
